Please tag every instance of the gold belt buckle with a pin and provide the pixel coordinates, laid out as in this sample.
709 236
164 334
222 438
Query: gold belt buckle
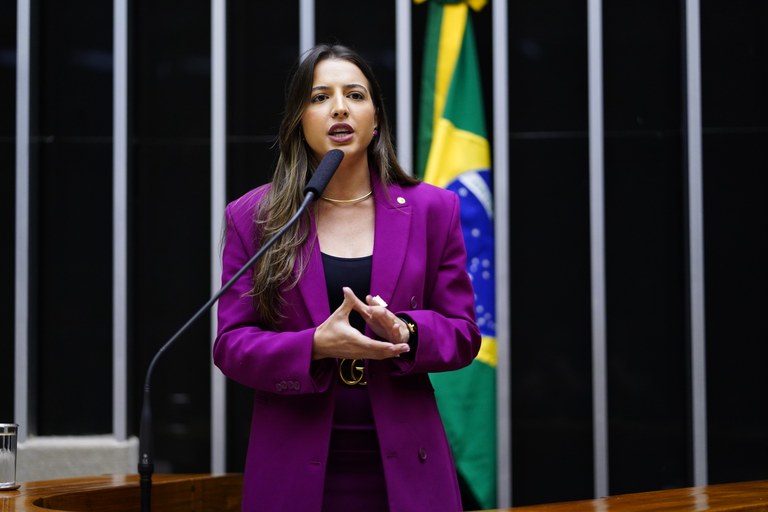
354 375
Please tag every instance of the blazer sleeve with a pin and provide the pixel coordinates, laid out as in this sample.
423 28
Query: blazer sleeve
263 359
448 336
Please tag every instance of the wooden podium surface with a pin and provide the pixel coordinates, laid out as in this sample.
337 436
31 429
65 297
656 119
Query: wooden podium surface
742 496
221 493
120 493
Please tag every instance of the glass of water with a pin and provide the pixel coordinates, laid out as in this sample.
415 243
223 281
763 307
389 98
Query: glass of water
8 436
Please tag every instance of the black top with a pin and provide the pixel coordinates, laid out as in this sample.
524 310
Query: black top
353 407
352 272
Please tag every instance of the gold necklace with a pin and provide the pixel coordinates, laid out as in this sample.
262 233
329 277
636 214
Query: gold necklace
347 201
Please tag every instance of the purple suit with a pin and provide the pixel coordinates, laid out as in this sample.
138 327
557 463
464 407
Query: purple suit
419 268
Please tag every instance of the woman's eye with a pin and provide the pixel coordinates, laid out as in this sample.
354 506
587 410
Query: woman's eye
318 98
356 95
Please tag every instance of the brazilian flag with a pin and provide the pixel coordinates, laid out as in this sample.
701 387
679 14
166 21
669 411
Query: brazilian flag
453 152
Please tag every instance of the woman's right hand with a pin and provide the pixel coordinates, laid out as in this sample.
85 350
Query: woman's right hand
336 337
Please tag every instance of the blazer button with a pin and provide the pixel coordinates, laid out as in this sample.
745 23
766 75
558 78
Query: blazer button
422 454
414 303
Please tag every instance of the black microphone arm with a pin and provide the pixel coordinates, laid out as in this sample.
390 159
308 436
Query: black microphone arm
317 183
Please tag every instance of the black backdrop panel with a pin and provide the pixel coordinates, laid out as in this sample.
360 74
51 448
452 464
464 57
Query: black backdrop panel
734 48
7 273
643 65
74 296
646 314
547 66
735 112
645 237
550 321
170 211
736 279
7 201
263 46
71 160
549 253
171 261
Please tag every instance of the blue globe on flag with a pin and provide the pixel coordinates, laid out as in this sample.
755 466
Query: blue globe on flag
476 202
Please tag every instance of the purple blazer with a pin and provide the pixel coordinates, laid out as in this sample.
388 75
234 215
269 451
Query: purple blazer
419 268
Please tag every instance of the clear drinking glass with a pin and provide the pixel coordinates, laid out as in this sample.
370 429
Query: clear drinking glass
8 435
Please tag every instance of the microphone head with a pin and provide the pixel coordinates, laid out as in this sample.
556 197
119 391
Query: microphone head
324 172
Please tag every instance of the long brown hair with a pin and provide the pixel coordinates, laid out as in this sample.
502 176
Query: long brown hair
295 165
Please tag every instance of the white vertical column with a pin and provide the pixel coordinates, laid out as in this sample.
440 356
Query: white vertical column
21 315
218 200
696 241
404 87
306 25
597 247
501 239
120 221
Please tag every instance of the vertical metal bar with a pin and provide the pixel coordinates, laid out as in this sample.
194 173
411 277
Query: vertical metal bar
404 86
218 200
597 248
120 221
501 236
306 25
21 315
696 241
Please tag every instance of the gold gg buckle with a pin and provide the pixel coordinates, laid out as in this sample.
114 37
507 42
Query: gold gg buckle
352 372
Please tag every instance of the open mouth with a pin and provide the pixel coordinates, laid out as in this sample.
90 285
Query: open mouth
340 130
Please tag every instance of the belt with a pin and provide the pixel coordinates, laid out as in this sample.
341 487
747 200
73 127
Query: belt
352 372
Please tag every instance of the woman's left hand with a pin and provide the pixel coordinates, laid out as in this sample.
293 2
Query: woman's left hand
381 320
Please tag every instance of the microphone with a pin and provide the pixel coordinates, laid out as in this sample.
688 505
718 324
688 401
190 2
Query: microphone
324 172
317 183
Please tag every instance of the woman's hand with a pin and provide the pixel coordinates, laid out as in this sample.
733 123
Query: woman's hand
383 322
337 338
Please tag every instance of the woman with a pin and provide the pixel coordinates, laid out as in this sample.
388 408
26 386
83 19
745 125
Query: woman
338 324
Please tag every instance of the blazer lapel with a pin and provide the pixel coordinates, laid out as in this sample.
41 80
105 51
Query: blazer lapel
391 238
312 284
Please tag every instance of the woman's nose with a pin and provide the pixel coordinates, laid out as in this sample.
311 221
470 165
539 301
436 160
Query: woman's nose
340 109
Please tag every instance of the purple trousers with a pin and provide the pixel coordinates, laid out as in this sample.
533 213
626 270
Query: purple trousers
354 479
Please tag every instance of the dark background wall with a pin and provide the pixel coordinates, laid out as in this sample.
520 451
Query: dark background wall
736 244
7 201
551 374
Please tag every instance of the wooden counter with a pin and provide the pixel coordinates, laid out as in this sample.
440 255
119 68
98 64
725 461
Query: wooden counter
742 496
211 493
120 493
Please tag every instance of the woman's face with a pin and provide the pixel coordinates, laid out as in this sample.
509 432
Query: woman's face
340 113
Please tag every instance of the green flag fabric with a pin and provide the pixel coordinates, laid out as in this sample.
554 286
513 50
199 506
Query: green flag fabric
453 152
